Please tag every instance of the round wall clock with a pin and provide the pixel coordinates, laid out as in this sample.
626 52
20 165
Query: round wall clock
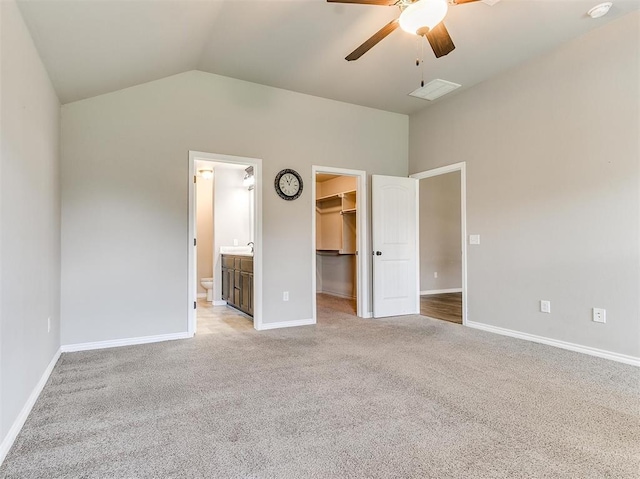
288 184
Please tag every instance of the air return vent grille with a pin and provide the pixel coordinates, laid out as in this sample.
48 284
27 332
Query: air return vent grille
434 89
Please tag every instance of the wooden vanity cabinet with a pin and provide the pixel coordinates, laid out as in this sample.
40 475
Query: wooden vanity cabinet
237 282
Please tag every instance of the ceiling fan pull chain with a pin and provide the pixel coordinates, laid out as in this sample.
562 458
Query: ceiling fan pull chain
422 40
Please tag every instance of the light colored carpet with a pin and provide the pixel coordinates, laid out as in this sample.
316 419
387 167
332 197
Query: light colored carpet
397 398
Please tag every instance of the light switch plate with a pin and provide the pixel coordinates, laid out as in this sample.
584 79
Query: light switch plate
545 306
474 239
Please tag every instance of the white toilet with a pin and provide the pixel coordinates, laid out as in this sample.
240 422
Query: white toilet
207 283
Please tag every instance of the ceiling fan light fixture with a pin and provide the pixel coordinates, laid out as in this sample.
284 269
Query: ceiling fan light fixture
421 16
600 10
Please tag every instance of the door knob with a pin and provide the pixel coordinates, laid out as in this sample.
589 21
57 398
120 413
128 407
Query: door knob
378 253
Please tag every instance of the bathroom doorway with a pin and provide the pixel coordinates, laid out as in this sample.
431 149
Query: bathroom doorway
340 279
225 247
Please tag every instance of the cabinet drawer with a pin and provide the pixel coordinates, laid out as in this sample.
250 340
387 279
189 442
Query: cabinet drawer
246 265
227 261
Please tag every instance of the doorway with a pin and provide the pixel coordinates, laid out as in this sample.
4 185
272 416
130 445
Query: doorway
340 275
237 244
443 255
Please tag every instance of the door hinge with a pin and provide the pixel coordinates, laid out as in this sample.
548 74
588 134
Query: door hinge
194 241
194 305
194 178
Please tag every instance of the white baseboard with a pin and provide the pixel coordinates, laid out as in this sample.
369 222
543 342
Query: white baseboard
601 353
337 295
115 343
11 436
287 324
201 295
219 302
440 291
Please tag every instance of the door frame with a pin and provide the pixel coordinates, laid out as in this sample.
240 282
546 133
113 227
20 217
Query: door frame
257 228
443 170
362 256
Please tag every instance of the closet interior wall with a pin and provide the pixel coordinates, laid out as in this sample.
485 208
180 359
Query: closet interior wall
336 211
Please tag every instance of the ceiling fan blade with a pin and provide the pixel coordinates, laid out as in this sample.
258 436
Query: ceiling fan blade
491 3
440 41
373 41
366 2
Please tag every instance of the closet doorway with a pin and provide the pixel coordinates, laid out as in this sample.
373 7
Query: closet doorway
340 267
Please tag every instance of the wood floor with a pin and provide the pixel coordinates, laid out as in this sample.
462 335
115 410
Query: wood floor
447 306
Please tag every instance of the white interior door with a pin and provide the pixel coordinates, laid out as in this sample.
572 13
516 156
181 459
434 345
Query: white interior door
394 216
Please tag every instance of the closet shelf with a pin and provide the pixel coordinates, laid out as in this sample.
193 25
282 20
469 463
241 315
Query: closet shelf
334 252
328 252
336 222
336 196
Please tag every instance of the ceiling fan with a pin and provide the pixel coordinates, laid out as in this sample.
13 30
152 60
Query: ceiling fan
420 17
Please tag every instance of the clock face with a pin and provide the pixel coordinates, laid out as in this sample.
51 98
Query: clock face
288 184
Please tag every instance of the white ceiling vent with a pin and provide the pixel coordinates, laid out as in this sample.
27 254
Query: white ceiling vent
434 89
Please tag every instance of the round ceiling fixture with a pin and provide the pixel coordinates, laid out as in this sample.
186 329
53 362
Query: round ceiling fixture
420 17
600 10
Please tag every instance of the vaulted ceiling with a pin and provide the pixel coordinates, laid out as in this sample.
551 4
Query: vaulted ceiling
92 47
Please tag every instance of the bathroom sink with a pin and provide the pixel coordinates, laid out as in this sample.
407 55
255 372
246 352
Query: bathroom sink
239 250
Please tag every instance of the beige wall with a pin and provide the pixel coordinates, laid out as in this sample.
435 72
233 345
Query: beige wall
204 228
125 184
29 218
440 232
336 185
337 275
552 158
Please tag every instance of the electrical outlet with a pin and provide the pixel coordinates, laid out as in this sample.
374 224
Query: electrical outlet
235 242
599 315
435 274
285 296
545 306
48 325
474 239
